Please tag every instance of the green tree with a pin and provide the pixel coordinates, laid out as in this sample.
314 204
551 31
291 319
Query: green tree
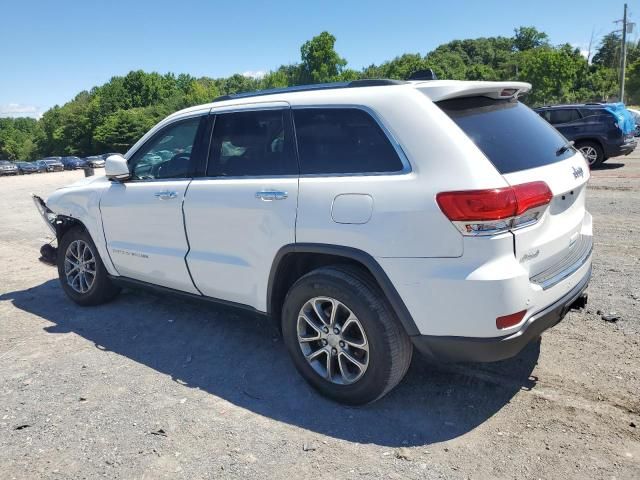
554 73
527 38
320 62
122 129
608 52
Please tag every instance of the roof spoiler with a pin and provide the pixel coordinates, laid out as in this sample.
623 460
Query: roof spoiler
447 89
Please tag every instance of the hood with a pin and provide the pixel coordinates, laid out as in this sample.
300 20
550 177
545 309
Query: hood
97 179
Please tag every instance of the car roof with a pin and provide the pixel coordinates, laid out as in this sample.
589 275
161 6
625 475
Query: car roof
342 92
594 106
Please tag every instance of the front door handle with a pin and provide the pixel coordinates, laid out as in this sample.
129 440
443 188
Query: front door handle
270 195
166 195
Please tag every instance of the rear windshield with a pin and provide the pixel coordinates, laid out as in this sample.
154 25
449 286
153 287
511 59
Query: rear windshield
510 134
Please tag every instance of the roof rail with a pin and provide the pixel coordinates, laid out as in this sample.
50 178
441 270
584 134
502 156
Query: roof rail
373 82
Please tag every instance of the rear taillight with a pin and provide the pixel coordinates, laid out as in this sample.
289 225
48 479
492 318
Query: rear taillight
487 212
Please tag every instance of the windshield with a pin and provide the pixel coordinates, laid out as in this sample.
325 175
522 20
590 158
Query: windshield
4 162
511 135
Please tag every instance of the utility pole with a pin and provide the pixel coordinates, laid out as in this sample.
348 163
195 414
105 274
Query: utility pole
624 53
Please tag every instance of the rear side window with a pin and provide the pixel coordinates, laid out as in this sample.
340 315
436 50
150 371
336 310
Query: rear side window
252 143
342 141
510 134
563 116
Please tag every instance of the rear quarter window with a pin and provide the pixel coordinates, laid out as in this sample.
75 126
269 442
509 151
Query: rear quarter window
511 135
343 141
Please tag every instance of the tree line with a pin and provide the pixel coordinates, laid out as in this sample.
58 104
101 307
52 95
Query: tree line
111 117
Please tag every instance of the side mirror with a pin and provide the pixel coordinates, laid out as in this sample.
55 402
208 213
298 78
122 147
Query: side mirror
116 168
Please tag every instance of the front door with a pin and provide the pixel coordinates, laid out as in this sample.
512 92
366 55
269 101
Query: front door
243 211
142 217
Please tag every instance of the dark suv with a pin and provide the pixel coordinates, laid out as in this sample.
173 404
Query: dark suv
593 128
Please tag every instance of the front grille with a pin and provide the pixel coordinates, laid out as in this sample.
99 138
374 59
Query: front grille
578 256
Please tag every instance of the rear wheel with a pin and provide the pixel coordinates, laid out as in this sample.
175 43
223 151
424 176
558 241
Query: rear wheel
81 271
343 336
592 153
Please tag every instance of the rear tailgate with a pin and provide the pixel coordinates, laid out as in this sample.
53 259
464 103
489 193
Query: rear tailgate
556 237
525 148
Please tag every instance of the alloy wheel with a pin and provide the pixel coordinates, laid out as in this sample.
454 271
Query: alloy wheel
333 340
590 154
80 266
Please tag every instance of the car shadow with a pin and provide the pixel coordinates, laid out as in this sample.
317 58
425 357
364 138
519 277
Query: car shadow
609 166
240 357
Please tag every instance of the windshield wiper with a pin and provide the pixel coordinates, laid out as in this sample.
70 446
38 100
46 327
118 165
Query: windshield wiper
564 148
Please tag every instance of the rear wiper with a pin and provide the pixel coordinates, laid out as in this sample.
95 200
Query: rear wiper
564 148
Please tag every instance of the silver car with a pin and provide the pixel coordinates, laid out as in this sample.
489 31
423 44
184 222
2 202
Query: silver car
8 168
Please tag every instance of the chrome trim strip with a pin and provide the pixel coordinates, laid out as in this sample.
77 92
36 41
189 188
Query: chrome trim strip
550 277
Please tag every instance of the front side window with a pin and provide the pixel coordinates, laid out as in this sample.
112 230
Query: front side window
342 141
168 153
253 143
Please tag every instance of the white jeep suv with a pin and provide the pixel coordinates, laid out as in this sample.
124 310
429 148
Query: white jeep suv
367 217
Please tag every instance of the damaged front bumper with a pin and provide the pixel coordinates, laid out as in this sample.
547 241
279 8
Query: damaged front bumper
45 212
48 253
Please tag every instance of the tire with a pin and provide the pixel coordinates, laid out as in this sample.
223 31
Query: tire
389 347
592 152
100 289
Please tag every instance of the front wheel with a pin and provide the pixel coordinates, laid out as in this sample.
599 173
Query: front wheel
343 336
81 271
592 152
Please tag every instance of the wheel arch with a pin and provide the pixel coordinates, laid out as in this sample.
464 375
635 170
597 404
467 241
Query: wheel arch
64 223
293 261
590 139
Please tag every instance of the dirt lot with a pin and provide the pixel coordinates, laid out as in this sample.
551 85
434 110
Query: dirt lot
150 387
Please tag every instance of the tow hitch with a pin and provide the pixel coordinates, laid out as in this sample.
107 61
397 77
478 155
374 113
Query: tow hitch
580 303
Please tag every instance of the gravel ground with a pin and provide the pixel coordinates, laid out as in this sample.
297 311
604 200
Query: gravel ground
153 387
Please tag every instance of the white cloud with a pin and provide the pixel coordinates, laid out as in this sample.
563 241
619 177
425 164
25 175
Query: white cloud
20 110
584 49
258 74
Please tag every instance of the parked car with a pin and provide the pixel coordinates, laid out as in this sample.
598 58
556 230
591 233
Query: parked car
367 218
51 164
8 168
593 129
73 163
95 161
41 165
25 168
106 155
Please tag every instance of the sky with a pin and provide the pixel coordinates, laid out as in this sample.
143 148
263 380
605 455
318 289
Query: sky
51 50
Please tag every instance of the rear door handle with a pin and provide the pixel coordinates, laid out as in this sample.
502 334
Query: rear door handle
166 195
270 195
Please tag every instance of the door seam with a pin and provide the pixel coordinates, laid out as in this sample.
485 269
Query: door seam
186 236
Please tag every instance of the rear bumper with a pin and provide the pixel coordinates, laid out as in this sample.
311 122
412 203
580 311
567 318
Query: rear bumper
468 349
621 149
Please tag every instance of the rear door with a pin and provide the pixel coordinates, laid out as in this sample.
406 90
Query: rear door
243 210
524 148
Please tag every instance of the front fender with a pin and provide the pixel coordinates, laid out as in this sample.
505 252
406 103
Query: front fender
82 203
